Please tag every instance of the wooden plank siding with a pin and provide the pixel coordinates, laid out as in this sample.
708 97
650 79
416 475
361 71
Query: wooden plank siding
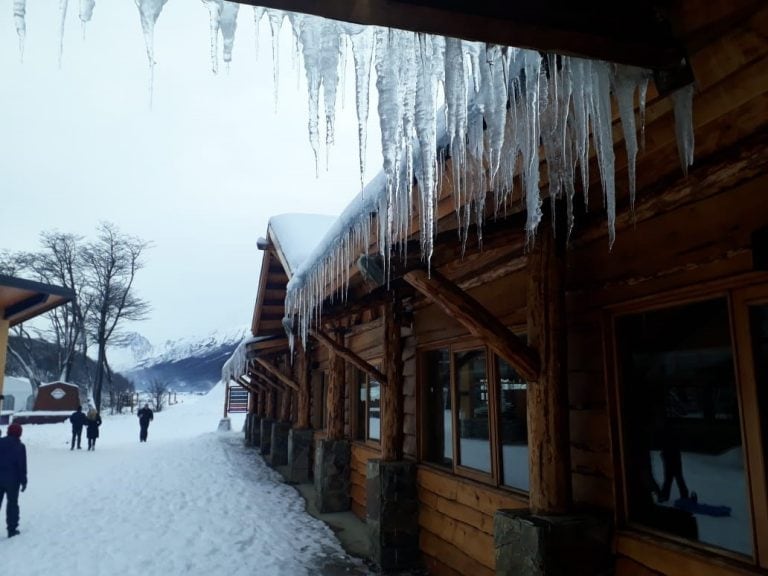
456 522
361 453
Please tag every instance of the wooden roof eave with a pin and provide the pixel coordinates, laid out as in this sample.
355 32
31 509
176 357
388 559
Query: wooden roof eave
22 299
631 33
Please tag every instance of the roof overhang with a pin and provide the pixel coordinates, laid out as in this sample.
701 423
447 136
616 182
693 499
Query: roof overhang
22 299
636 33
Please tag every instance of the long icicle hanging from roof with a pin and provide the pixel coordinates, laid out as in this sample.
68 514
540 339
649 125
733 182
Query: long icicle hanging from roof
502 111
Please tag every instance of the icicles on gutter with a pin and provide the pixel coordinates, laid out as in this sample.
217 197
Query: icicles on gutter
321 50
223 15
275 24
19 13
149 11
500 111
258 13
683 106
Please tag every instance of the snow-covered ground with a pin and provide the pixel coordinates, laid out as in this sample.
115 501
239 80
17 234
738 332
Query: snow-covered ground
190 501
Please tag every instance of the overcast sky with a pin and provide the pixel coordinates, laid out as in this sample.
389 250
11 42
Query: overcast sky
198 174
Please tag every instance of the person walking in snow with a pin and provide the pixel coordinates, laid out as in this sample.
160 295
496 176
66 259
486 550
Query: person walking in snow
145 417
78 420
13 475
92 422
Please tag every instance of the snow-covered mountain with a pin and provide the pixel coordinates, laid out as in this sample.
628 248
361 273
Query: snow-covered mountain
191 363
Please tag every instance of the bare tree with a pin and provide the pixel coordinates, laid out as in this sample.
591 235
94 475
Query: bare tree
60 263
158 389
111 263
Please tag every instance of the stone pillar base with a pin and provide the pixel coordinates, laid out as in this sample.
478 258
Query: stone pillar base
265 433
299 447
566 545
254 431
392 514
278 455
225 425
333 459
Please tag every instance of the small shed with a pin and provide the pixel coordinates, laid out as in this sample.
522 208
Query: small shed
57 396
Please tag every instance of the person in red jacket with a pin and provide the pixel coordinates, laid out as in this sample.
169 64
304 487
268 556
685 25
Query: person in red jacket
13 475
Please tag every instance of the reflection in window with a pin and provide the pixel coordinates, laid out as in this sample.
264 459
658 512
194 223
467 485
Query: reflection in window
514 428
439 423
682 440
758 319
472 398
374 410
9 402
368 408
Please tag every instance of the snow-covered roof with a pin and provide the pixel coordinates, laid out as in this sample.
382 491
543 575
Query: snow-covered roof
236 365
47 384
296 235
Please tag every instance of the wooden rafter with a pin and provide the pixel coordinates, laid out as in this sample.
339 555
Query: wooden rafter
478 320
348 355
631 33
275 371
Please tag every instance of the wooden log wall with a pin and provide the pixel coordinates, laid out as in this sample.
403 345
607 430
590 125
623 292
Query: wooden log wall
456 523
361 453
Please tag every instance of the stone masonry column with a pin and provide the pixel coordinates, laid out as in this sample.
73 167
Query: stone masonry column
266 436
278 455
392 517
333 459
299 447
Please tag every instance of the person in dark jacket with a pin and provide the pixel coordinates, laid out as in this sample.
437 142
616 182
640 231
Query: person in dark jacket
78 420
13 475
93 421
145 417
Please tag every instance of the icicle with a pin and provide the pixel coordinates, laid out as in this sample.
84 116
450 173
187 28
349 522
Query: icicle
275 24
62 19
643 88
626 81
330 53
530 144
258 12
214 9
86 12
603 134
19 12
683 105
362 38
149 10
430 66
456 109
228 27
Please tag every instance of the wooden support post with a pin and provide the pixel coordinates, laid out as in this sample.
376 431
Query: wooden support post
548 433
349 356
275 371
392 395
478 320
302 377
4 327
285 405
335 397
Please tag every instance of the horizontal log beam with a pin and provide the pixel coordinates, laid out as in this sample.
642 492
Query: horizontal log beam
630 33
478 320
348 355
275 371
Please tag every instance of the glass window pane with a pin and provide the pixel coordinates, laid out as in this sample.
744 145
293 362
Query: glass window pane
472 394
374 410
360 403
682 437
514 426
439 419
758 318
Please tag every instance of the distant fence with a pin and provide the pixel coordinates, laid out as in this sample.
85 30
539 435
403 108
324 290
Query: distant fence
237 399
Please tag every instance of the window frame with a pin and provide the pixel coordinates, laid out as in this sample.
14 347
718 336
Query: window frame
495 476
363 379
737 295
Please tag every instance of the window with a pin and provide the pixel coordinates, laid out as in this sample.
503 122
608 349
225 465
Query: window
438 416
682 442
474 410
9 402
368 408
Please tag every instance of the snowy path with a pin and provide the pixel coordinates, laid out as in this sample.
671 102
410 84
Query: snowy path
187 502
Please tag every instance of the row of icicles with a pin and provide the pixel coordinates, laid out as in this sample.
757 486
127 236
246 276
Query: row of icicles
495 111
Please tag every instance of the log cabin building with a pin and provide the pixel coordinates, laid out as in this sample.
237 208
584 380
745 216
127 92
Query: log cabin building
556 406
